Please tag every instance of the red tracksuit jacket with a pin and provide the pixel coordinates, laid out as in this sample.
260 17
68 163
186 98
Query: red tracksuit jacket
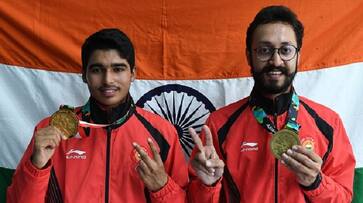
254 172
100 166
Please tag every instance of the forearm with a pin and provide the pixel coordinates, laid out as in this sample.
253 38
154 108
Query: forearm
198 192
171 192
329 191
29 184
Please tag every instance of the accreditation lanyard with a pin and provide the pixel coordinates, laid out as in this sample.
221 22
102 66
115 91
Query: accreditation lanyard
291 123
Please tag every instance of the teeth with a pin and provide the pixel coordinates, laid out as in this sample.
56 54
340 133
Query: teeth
108 91
274 73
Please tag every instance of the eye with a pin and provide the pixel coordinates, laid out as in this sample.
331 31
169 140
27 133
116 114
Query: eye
264 50
286 50
95 70
118 68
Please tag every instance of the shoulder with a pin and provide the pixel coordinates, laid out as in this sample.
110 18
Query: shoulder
155 120
225 112
317 107
152 117
319 110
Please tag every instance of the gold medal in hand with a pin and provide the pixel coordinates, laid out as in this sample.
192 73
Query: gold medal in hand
283 140
66 121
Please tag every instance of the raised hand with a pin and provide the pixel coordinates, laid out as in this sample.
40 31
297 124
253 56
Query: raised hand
206 163
304 163
46 140
151 171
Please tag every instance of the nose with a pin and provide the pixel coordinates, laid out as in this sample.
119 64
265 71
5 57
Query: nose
107 76
276 59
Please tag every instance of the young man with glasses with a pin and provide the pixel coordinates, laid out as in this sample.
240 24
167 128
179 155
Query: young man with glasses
273 146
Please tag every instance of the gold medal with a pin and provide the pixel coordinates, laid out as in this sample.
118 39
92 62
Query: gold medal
283 140
66 121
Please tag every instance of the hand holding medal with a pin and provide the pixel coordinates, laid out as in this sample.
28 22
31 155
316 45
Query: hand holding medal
67 122
285 145
282 141
63 124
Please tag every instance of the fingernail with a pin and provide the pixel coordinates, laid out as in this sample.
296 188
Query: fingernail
208 163
294 147
149 140
134 144
282 161
289 151
284 155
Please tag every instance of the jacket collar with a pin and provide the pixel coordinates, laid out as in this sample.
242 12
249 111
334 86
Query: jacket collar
107 117
277 106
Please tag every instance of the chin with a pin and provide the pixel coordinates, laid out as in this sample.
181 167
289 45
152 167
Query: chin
273 89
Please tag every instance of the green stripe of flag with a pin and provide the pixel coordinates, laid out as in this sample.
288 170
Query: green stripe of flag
5 180
358 186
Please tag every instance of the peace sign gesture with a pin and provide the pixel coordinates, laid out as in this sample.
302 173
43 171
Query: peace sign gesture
151 171
206 163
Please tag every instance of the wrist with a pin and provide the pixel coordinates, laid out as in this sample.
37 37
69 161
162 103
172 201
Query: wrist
313 185
162 185
38 164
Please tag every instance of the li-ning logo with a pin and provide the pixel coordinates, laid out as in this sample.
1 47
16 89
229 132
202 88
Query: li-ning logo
249 146
76 154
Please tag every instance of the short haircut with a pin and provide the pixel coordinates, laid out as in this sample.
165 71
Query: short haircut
272 14
105 39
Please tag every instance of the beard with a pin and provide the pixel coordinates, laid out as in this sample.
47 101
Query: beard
270 86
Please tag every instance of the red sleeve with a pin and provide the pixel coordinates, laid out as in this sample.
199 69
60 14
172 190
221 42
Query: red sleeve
338 171
197 191
176 168
29 184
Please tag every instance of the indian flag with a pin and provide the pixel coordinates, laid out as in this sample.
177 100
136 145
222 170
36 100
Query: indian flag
190 61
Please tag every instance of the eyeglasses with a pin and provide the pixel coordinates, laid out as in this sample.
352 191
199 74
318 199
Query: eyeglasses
286 52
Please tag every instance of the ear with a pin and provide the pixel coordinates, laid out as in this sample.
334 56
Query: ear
133 74
298 58
248 57
84 77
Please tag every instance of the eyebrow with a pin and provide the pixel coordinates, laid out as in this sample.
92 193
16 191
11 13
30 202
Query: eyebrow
100 65
118 64
269 43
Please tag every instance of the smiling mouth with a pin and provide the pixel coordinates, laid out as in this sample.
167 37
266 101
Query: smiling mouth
274 72
108 92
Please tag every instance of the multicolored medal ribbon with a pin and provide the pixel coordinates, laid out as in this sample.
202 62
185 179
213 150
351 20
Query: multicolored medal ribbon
285 138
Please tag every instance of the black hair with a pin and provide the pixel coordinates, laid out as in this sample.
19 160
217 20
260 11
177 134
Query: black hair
273 14
105 39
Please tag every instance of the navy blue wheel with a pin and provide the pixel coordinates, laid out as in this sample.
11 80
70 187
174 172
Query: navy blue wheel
183 106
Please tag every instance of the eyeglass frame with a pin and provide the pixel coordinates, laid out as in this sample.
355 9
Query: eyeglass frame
278 52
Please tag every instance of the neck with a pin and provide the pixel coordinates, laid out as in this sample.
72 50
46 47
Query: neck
108 108
272 103
108 114
273 96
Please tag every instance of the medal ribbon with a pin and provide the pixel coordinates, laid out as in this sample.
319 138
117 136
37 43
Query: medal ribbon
291 123
86 109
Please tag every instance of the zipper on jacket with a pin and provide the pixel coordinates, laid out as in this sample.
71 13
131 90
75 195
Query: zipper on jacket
276 179
108 150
